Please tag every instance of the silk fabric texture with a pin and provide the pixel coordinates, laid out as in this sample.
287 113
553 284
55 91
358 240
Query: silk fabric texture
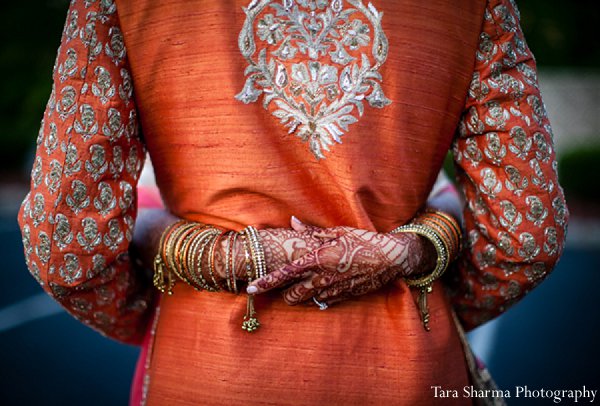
230 164
187 67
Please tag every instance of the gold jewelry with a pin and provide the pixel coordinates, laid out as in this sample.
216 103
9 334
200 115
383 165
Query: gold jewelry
230 263
181 238
162 279
424 283
181 252
443 232
454 226
197 271
211 260
176 242
250 323
258 253
229 235
193 262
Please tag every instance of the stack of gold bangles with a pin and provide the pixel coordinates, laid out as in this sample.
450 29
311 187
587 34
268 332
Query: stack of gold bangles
444 233
187 253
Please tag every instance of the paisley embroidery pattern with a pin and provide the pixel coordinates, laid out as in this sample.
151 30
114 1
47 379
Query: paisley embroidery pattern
78 218
516 211
319 64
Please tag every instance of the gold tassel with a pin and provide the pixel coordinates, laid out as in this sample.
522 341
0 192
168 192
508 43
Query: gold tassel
250 323
162 279
424 291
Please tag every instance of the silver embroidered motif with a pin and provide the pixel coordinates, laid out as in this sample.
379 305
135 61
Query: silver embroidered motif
68 68
66 106
53 178
317 98
96 165
62 231
116 166
78 199
91 237
105 201
87 126
51 141
38 211
537 212
115 236
42 250
113 128
37 173
511 218
536 272
515 182
126 199
72 162
70 271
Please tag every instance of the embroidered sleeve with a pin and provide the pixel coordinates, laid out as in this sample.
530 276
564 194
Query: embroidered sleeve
77 220
515 215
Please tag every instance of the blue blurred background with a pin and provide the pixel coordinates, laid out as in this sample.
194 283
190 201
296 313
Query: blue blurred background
549 340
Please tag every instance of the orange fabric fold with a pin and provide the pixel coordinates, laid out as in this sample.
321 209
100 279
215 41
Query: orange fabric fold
364 352
223 162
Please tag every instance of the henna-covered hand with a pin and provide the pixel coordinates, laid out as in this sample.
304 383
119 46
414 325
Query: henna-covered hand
349 262
285 245
281 245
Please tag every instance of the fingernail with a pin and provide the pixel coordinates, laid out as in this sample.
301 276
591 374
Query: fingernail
251 290
295 220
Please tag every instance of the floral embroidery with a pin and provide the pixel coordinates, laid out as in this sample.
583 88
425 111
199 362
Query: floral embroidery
316 65
78 219
509 179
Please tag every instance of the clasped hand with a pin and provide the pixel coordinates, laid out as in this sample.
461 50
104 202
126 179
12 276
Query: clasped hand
337 263
328 264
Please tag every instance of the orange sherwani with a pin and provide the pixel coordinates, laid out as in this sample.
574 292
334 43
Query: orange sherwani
339 112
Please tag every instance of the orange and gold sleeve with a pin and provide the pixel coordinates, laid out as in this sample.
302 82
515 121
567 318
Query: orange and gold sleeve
515 213
77 220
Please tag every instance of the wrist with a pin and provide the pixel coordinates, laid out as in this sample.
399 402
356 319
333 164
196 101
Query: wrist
149 226
428 257
419 257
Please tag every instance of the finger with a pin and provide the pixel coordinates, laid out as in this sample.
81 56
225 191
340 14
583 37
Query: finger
298 225
297 270
336 299
317 232
300 292
332 233
333 294
307 230
353 287
325 279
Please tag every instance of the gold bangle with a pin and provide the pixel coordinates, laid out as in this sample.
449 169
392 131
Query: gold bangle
229 236
455 226
258 254
442 231
182 240
452 223
250 323
442 254
197 271
211 260
161 272
230 263
424 283
193 277
173 245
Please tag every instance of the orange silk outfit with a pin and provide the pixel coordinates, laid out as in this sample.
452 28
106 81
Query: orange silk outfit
339 112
